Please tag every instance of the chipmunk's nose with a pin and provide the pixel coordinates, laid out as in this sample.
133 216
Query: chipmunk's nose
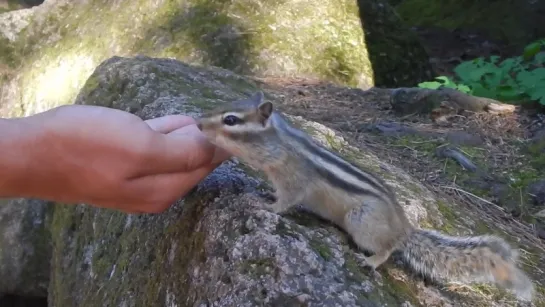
199 125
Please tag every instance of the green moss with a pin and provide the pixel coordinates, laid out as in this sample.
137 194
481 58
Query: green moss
90 85
355 272
323 250
7 53
333 142
449 217
400 291
340 65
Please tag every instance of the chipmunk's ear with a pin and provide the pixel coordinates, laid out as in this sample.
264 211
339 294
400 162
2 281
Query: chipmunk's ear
265 109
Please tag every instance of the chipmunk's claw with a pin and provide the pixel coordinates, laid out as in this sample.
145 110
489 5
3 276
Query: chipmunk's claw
361 259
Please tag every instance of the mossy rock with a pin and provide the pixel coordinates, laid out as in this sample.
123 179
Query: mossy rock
65 40
516 22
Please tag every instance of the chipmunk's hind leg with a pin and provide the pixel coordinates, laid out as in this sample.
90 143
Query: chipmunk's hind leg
370 232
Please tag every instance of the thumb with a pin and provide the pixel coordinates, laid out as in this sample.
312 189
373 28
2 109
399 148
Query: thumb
183 150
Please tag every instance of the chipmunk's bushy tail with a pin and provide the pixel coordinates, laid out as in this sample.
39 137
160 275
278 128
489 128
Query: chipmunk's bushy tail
485 259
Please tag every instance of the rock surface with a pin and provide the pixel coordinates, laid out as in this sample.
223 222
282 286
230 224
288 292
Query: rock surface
46 61
25 247
217 247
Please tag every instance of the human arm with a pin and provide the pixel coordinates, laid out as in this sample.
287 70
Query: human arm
104 157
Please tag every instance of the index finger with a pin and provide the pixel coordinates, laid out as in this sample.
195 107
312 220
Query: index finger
169 123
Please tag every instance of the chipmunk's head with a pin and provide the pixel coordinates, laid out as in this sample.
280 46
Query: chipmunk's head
230 126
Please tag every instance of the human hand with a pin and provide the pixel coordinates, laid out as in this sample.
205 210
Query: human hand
110 158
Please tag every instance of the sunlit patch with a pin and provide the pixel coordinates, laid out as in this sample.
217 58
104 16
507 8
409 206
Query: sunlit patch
58 83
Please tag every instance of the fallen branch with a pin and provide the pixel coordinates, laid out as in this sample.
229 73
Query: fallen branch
444 102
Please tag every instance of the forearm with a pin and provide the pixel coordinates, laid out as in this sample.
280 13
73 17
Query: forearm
16 142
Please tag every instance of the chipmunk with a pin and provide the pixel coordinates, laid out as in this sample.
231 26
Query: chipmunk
359 202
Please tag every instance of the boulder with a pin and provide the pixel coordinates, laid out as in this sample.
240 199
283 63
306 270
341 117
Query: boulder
25 247
56 46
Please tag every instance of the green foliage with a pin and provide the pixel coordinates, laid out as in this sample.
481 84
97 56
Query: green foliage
519 78
445 82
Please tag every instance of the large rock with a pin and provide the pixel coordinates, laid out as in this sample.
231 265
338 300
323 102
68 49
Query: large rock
25 247
46 63
217 247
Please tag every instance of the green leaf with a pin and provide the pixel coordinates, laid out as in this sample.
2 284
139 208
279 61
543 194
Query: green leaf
443 78
492 79
477 74
531 50
526 79
539 73
507 92
494 59
464 70
431 85
511 63
536 93
481 91
464 88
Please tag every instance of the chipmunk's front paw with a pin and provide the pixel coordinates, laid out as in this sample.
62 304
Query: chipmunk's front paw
268 195
362 261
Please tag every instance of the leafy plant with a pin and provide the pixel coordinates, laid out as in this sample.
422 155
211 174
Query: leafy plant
513 79
444 81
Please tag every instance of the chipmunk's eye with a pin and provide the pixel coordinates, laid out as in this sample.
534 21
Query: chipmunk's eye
231 120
